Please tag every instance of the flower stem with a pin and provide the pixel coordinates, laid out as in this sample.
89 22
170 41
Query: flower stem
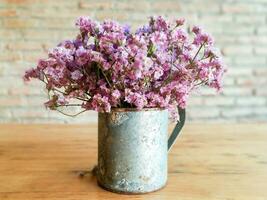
197 52
202 82
55 89
67 105
70 115
106 78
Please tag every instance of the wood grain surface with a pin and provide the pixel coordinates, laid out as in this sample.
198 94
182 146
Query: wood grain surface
209 161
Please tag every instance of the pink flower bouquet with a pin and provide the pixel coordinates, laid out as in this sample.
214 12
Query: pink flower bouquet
108 66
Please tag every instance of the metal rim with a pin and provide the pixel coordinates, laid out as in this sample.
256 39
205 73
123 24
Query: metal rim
136 110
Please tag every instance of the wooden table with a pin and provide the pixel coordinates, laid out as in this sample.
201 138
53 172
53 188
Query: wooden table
209 161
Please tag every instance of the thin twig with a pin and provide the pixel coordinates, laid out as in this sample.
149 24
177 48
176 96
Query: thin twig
197 52
67 105
173 29
79 98
106 78
69 115
202 82
55 89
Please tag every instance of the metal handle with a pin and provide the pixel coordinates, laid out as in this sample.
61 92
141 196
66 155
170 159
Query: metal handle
177 128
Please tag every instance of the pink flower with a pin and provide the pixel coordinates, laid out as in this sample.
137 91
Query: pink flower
76 75
100 103
61 54
203 38
32 73
87 25
159 23
107 66
68 44
140 102
173 112
116 94
158 72
82 56
61 100
180 22
180 35
196 30
136 99
112 26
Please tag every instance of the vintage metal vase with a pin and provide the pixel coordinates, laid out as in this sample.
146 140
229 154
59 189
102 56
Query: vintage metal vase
132 149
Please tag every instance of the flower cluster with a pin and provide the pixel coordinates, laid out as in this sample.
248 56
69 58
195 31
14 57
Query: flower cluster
108 66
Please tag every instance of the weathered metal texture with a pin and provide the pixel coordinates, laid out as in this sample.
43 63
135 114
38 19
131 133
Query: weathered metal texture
132 150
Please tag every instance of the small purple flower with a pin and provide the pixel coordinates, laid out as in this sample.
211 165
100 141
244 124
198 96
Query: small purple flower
107 66
158 73
82 55
196 30
203 38
76 75
143 30
180 22
87 25
100 103
68 44
32 73
61 54
159 23
181 35
127 29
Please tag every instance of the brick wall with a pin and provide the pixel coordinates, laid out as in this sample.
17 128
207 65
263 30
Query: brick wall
29 27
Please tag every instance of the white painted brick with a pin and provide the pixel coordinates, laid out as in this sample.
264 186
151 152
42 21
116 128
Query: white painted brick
234 30
250 61
3 91
7 80
237 50
195 101
253 118
260 110
237 91
261 91
251 81
243 8
260 71
199 112
228 81
237 112
240 71
261 50
251 101
219 101
258 40
5 113
207 91
207 18
29 113
36 100
262 30
249 20
213 6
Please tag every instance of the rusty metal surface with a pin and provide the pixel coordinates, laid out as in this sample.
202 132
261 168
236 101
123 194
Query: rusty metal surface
132 150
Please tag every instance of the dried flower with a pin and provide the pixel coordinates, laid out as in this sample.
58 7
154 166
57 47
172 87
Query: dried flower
108 66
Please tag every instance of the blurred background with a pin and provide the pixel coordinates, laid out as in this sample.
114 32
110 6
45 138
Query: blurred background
28 28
